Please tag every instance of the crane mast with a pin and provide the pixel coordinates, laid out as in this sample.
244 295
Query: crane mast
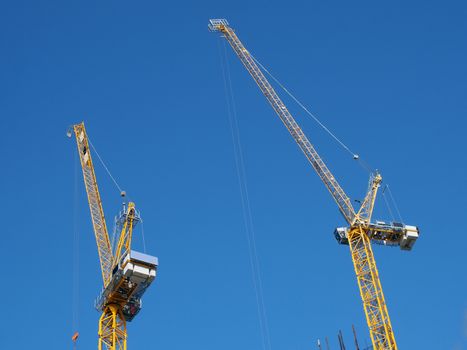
126 273
361 231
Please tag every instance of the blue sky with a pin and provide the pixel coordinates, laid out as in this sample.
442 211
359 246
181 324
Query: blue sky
389 78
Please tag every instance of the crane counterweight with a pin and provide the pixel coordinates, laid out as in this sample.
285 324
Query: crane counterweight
130 279
384 233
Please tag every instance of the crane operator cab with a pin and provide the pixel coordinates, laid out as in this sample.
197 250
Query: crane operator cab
385 233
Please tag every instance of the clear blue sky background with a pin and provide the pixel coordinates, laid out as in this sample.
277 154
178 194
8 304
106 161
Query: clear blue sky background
389 78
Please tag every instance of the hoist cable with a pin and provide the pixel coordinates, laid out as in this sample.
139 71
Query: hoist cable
75 255
383 192
240 169
114 236
315 118
105 167
246 207
303 107
142 235
394 203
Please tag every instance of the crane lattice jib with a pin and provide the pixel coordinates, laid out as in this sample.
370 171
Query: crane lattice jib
324 173
95 204
366 210
124 242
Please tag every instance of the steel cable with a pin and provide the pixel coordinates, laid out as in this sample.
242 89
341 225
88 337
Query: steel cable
245 200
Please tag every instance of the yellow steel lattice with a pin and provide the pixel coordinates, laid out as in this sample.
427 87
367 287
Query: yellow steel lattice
112 329
95 204
371 291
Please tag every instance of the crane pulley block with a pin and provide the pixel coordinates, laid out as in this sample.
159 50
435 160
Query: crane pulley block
410 237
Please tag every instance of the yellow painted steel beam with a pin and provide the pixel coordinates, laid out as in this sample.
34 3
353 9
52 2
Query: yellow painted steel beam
366 210
124 241
371 291
95 204
112 329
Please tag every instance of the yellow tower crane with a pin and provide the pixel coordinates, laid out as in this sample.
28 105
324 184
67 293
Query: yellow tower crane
126 273
361 231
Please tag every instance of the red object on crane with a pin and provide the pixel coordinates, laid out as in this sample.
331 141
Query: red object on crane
75 337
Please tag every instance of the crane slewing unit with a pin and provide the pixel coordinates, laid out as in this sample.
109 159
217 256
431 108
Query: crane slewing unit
361 231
